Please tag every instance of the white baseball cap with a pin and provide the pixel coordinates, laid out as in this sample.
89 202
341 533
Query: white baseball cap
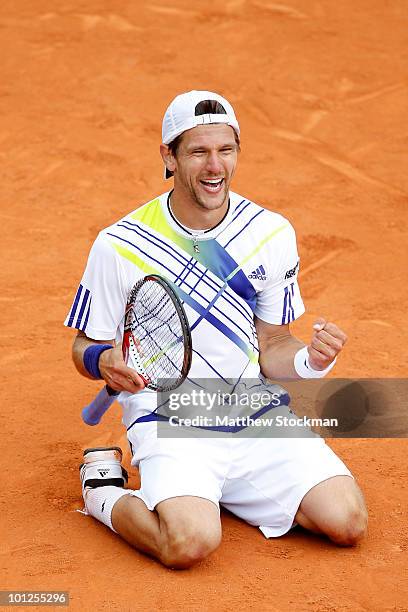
181 116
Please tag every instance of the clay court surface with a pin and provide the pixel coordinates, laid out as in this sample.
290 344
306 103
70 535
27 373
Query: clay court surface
320 89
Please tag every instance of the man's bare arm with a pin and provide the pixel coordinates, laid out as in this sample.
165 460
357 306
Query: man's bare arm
278 347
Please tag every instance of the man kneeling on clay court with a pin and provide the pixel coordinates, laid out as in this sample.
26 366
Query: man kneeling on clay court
238 263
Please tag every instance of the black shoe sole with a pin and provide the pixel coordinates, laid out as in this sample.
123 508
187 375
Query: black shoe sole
103 448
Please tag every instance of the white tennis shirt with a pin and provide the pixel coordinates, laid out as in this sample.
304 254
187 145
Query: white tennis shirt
245 266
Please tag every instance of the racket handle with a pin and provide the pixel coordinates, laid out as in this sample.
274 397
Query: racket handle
92 414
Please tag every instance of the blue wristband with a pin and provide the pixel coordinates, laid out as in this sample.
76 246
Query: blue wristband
91 358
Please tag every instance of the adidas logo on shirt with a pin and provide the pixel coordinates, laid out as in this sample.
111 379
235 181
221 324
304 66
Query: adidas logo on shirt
259 273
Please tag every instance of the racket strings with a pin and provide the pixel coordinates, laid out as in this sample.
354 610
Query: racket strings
152 309
156 324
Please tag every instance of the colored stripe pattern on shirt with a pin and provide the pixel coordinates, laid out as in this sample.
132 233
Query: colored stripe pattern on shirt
79 313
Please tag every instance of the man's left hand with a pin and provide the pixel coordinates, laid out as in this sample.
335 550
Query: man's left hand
327 342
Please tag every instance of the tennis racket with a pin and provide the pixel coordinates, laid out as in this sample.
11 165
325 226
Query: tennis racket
156 342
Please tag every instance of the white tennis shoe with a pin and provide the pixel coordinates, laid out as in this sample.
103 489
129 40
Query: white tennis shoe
102 467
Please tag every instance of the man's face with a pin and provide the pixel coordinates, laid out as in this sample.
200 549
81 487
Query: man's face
205 163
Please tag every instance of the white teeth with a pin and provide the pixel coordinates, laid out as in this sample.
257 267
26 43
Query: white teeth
212 181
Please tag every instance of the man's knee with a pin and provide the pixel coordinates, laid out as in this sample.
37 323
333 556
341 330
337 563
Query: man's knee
190 528
185 548
336 508
348 525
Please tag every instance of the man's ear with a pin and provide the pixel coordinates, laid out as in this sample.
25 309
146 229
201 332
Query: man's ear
168 158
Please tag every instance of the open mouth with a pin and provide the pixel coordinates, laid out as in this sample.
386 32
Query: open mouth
212 185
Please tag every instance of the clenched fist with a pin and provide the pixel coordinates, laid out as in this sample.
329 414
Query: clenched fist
327 342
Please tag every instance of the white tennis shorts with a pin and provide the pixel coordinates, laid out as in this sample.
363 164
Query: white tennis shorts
261 480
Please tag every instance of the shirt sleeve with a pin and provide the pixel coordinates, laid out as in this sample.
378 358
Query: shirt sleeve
99 304
280 302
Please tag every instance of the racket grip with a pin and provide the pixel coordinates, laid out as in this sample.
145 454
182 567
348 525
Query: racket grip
92 414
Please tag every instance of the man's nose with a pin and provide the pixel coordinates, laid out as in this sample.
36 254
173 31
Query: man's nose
213 162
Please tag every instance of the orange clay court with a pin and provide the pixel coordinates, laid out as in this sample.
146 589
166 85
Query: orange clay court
320 90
